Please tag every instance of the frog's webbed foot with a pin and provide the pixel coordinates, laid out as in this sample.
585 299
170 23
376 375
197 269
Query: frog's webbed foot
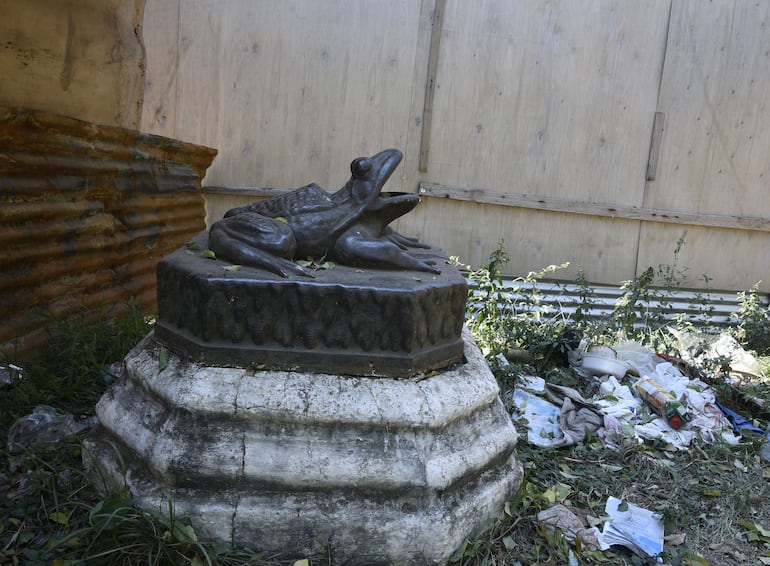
254 240
403 242
354 250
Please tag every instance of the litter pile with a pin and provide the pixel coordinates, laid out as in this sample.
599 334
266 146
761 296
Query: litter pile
631 394
634 392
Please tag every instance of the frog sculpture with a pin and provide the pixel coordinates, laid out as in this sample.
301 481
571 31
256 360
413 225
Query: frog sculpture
349 226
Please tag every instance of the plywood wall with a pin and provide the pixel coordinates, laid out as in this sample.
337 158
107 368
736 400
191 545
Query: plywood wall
554 100
290 92
80 58
715 96
598 132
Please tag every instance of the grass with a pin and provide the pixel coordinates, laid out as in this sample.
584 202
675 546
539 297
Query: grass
72 372
715 498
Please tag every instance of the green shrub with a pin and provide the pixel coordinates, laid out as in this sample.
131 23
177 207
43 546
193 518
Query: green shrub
753 329
504 317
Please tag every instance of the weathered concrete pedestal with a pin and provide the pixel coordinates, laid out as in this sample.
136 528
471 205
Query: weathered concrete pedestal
348 414
372 470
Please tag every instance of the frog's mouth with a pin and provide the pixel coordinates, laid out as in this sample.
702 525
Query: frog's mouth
383 165
391 205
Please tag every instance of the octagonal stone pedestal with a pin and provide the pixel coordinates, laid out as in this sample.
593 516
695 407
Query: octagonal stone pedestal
342 320
368 470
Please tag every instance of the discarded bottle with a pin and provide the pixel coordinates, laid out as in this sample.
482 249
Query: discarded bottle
661 401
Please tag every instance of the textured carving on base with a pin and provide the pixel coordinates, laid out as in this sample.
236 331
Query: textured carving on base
345 320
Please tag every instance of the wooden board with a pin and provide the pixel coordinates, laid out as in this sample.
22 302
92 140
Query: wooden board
607 210
291 92
548 99
714 149
715 96
472 232
730 259
161 37
556 101
81 59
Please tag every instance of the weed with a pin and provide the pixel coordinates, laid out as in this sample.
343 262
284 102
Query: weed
70 372
510 316
753 328
713 498
587 297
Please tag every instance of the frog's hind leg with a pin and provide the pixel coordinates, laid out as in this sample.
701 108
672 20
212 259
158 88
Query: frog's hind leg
354 250
256 241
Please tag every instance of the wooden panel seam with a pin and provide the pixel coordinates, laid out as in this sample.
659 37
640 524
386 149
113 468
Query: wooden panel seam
430 86
655 143
520 200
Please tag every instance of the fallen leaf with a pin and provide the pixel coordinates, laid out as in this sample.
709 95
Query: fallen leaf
594 521
569 476
762 530
208 254
162 358
675 539
562 491
59 517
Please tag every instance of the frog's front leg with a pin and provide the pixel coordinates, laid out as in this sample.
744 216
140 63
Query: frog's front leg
403 242
361 246
257 241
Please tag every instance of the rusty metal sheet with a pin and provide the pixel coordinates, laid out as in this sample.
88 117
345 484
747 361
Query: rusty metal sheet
86 213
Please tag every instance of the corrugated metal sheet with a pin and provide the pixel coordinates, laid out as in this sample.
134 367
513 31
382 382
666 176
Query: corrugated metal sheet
700 308
86 213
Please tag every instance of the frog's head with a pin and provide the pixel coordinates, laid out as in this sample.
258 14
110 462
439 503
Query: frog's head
368 176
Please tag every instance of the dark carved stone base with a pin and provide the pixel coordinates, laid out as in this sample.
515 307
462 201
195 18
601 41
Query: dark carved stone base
345 320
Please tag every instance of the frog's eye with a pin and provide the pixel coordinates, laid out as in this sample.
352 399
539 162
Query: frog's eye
360 167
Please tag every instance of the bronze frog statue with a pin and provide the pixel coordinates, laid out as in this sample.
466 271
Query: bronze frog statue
349 226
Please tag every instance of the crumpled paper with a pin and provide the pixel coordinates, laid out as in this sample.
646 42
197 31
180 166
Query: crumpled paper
551 425
559 517
578 419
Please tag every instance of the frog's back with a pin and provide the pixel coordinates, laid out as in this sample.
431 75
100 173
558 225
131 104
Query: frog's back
310 198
